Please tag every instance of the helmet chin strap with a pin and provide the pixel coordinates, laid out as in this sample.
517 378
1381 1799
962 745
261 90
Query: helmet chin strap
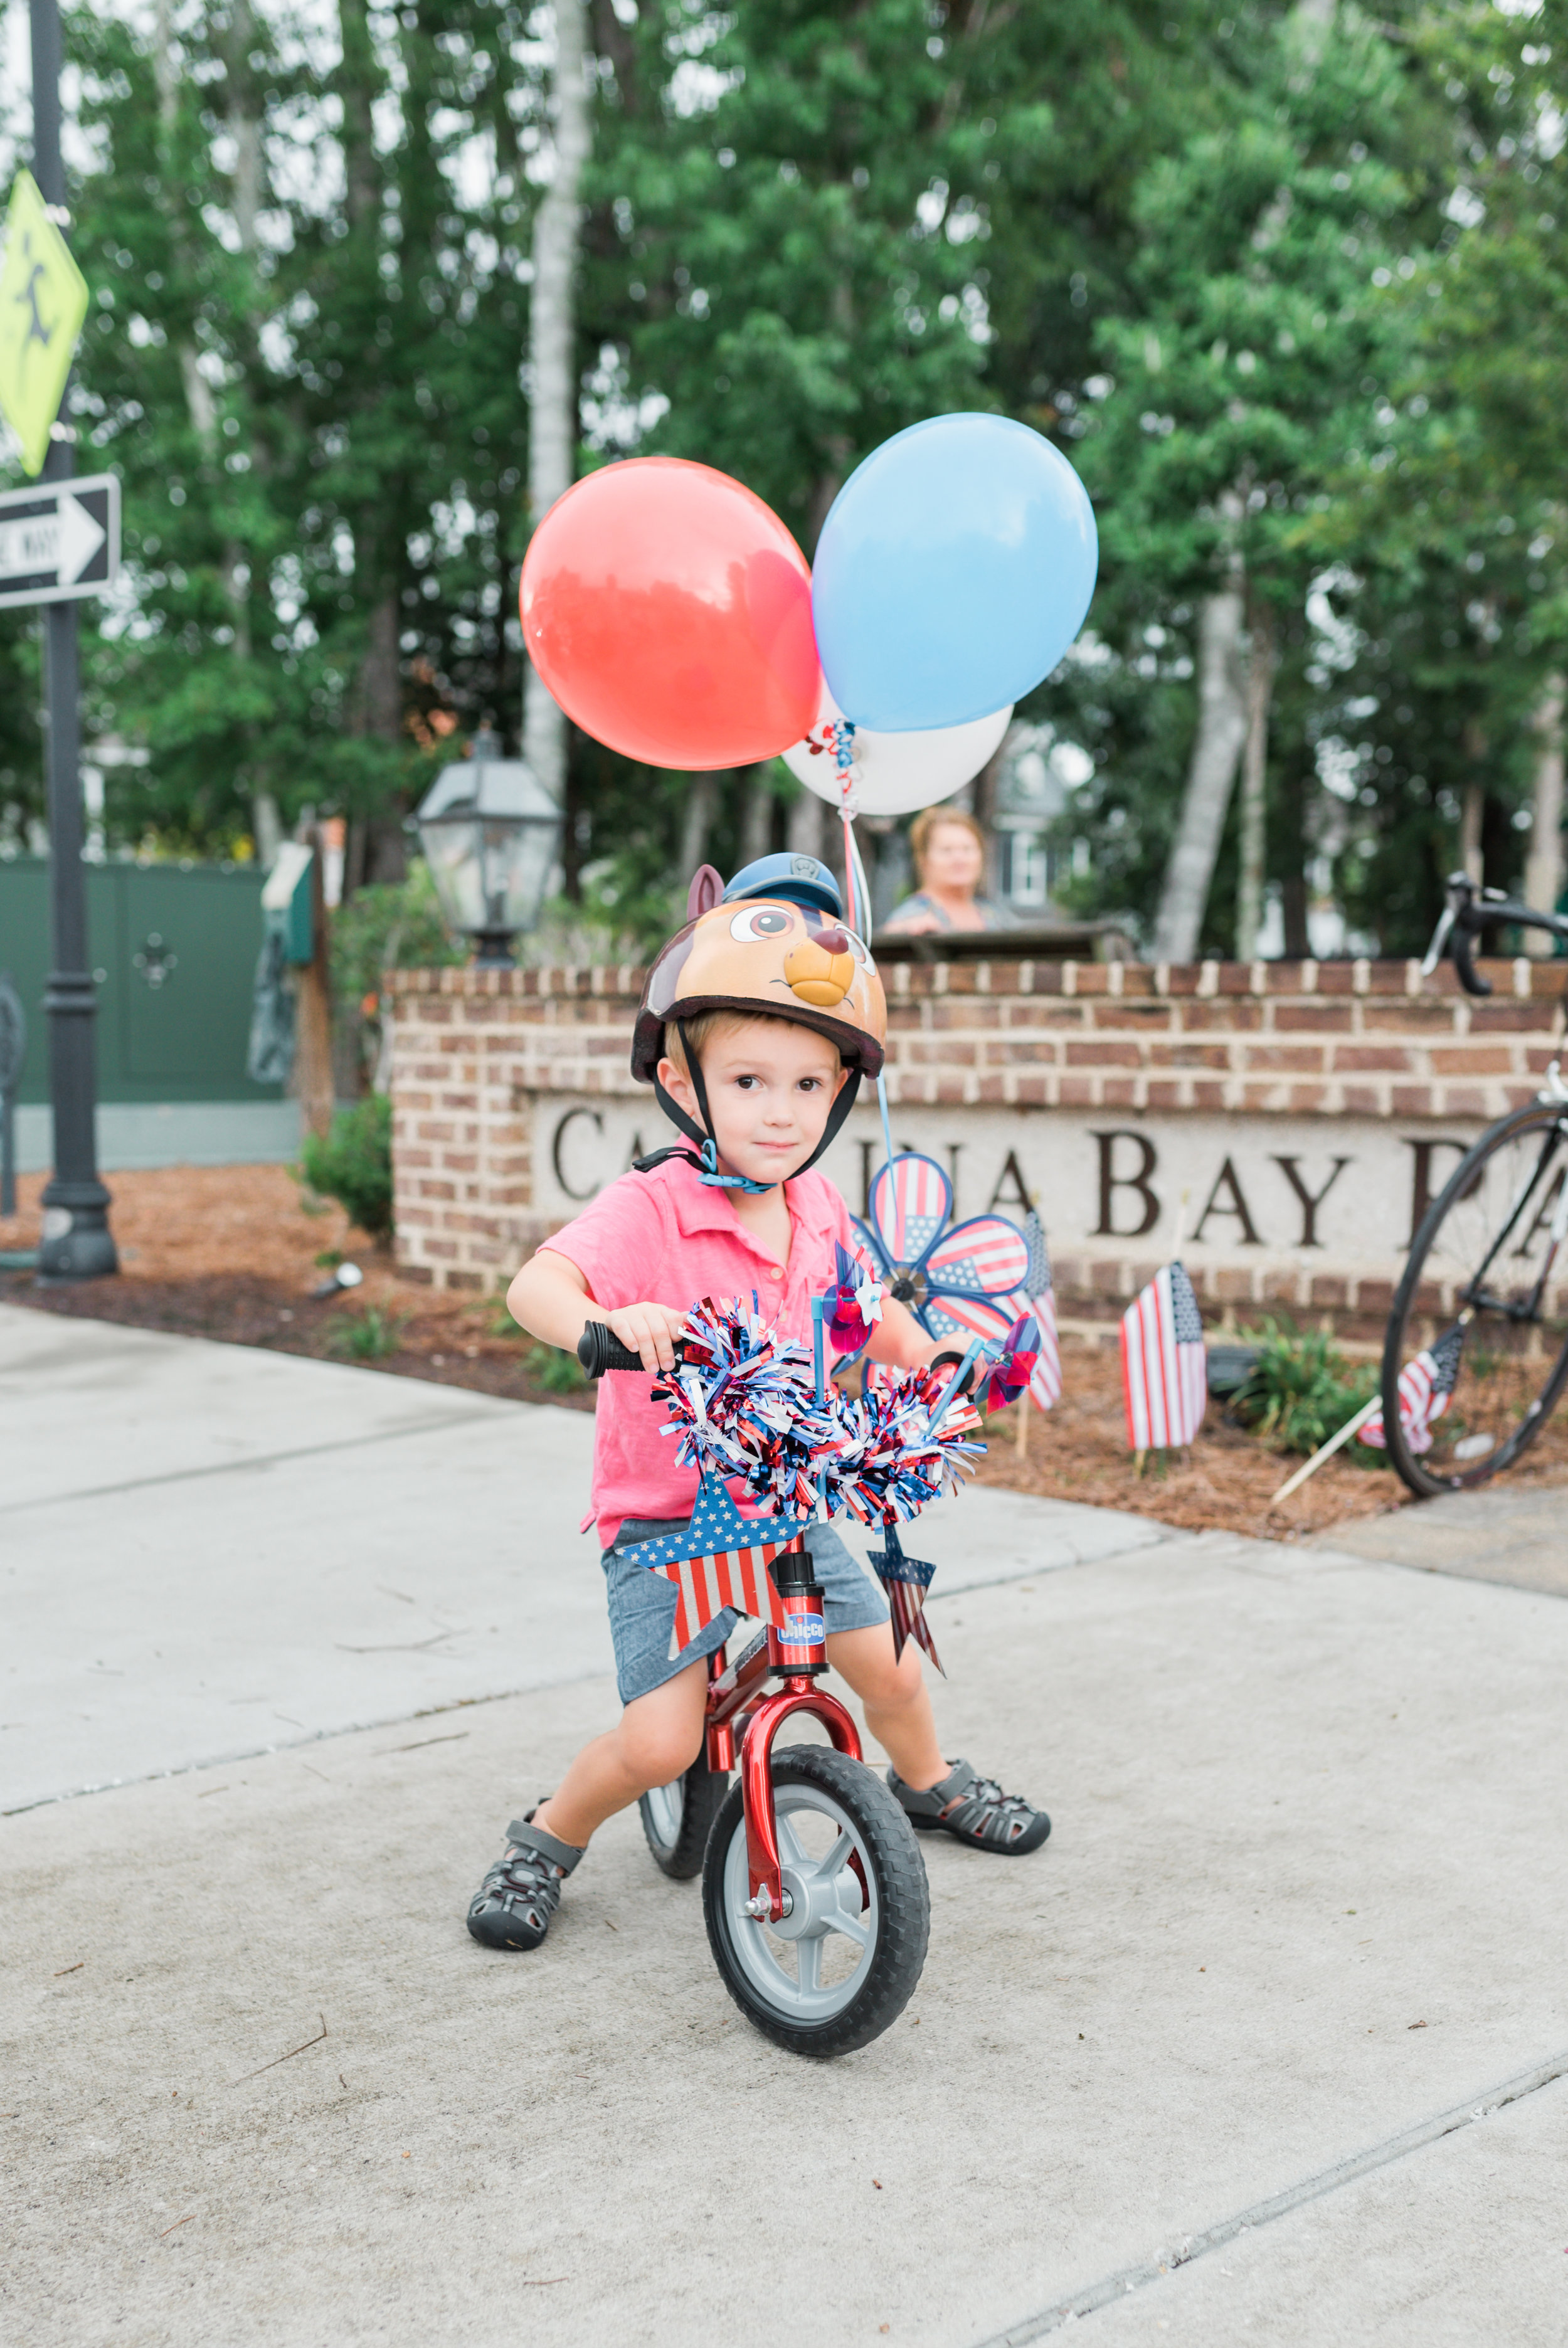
705 1157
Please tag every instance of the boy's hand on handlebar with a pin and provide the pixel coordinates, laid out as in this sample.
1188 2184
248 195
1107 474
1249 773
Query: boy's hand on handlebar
650 1330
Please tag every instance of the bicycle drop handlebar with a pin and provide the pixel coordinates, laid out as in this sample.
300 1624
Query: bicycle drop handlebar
1468 911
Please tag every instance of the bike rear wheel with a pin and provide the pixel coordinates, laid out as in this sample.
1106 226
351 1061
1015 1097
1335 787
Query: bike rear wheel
838 1969
1486 1284
678 1818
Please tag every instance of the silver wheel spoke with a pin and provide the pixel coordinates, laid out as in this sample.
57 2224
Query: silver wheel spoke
810 1956
837 1857
790 1842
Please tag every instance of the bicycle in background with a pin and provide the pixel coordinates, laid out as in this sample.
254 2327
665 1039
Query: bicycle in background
1476 1354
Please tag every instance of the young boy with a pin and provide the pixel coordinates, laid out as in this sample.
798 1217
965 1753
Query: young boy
756 1023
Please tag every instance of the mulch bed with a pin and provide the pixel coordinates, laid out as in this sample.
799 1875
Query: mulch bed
229 1252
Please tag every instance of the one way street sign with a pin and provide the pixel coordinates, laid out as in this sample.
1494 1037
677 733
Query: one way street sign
59 540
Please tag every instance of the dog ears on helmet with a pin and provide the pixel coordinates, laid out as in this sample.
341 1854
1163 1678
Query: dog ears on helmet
705 890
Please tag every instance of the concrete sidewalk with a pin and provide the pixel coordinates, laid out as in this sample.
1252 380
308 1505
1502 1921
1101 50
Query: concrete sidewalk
1305 1903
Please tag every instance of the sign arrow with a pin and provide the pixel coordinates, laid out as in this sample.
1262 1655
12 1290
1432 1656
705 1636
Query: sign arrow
80 537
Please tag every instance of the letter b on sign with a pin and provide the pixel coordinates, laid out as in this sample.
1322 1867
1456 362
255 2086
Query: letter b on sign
1115 1177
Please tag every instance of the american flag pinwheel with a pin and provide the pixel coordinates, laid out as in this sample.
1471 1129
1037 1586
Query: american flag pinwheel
973 1279
853 1305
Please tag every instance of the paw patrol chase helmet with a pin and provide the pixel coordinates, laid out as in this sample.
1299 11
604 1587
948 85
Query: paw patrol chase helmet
772 942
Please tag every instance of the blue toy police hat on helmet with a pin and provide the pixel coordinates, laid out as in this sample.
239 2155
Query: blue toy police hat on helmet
796 880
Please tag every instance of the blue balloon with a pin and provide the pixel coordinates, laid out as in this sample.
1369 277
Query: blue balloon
952 574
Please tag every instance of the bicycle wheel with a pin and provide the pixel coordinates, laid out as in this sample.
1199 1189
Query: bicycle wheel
1485 1296
676 1817
833 1973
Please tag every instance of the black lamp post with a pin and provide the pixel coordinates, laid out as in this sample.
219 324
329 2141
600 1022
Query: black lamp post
77 1242
491 837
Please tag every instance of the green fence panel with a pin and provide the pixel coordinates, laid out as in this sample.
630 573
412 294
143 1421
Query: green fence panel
174 953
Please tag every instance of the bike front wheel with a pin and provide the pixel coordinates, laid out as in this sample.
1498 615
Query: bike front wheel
1477 1350
833 1973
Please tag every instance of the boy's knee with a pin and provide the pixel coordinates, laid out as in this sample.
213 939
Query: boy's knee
657 1752
895 1686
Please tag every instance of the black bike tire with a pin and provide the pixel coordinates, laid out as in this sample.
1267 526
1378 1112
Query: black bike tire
896 1959
702 1798
1412 1474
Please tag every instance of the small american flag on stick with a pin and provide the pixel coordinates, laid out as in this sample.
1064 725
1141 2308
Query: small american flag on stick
1165 1365
1046 1385
1426 1386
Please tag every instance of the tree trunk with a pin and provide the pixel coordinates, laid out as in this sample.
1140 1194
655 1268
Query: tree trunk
312 1078
266 830
757 813
1544 870
1211 773
552 355
702 800
1295 799
1261 661
1472 816
982 802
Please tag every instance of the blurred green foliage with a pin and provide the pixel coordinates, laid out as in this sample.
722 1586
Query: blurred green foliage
352 1164
1301 1390
1224 262
373 1335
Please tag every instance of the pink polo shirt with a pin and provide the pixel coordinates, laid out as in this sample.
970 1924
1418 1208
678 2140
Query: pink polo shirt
663 1239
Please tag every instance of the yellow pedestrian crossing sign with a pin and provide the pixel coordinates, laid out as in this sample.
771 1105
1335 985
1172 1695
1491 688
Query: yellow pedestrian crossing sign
42 301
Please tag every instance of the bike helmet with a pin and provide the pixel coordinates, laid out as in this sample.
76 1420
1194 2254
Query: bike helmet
772 942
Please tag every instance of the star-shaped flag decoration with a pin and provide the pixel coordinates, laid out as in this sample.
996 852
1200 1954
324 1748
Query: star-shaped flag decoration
906 1581
720 1559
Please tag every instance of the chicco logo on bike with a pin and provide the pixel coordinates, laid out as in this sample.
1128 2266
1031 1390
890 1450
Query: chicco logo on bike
803 1631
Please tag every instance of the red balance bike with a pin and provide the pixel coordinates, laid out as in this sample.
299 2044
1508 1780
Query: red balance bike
813 1886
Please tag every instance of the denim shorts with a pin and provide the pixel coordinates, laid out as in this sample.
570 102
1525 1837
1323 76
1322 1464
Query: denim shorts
642 1605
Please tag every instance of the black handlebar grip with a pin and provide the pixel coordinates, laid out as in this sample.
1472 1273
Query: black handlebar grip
1470 978
598 1349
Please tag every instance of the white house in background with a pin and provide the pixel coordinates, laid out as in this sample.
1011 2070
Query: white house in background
1040 774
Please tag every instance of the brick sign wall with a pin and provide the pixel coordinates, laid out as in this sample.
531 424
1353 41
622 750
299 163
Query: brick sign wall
1292 1118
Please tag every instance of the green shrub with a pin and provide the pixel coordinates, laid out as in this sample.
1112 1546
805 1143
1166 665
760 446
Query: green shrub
391 924
556 1371
1301 1390
367 1336
353 1164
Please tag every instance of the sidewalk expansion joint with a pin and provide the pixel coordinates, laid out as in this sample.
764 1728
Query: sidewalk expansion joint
444 1424
1114 2287
302 1744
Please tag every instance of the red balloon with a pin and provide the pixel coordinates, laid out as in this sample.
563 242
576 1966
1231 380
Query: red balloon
669 612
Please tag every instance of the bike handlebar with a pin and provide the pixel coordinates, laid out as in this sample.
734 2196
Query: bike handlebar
1468 911
598 1349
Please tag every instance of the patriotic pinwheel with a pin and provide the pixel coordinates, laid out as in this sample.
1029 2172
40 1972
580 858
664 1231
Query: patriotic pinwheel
853 1304
973 1279
1007 1378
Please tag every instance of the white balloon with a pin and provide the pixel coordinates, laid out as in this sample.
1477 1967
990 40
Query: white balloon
893 774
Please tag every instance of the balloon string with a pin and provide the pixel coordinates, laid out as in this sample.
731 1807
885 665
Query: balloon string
857 887
850 874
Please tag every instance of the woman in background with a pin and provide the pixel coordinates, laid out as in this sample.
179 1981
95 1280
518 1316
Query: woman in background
949 851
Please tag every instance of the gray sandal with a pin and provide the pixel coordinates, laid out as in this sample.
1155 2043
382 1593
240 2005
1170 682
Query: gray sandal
975 1809
513 1905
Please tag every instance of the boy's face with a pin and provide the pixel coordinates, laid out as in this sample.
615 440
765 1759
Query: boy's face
770 1089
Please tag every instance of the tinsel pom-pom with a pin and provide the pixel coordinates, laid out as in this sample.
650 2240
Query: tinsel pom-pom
743 1404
